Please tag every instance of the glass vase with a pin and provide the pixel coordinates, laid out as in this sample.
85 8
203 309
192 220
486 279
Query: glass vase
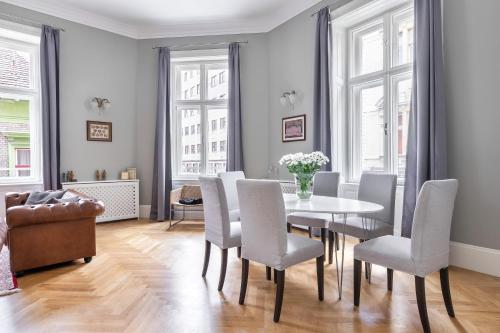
304 185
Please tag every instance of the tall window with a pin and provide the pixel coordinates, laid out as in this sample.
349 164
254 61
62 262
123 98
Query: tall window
379 82
20 118
203 110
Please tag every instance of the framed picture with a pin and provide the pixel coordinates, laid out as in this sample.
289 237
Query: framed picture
293 128
99 131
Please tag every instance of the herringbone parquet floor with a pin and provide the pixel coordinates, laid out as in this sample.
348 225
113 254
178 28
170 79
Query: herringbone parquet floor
145 279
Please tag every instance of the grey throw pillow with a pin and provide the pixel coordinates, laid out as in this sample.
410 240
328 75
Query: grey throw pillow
37 198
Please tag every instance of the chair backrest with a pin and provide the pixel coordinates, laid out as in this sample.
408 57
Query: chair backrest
430 235
190 192
229 179
263 219
217 227
326 183
379 188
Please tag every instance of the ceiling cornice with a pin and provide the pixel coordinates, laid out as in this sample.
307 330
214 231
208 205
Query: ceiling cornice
92 19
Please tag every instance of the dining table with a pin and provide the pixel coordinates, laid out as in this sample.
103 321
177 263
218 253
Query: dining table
335 206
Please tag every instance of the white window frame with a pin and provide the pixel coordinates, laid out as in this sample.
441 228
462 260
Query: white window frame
26 39
348 84
203 59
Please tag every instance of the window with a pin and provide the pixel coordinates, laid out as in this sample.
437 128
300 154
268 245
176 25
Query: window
20 107
222 77
222 146
222 123
186 149
186 130
206 108
378 91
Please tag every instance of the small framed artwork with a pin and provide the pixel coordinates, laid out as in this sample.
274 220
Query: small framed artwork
99 131
293 128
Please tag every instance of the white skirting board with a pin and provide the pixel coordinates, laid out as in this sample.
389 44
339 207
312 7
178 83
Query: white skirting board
193 214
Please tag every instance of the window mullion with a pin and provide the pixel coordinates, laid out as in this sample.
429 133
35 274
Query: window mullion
203 120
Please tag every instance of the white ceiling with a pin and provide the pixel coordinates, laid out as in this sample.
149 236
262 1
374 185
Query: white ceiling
171 18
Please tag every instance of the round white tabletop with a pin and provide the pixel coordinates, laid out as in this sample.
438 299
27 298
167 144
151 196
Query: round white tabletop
330 205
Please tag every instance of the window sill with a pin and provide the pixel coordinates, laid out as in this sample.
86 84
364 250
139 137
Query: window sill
21 183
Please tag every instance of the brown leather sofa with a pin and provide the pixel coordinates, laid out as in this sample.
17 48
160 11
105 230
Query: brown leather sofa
46 234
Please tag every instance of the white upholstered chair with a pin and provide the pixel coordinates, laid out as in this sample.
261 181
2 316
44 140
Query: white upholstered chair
325 184
265 239
219 229
378 188
229 179
426 252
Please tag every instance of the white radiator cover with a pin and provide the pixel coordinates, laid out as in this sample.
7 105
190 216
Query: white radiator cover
120 197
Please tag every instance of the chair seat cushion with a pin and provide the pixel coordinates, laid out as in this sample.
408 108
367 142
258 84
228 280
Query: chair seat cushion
315 220
300 249
234 215
388 251
354 227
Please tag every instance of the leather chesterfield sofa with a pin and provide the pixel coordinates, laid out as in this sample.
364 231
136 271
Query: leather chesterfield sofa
47 234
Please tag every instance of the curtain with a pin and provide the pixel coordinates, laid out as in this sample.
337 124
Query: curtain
426 156
234 135
49 72
162 169
322 131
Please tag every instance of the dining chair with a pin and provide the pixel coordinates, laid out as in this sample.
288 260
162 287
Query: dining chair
265 239
229 179
379 188
426 252
219 229
325 184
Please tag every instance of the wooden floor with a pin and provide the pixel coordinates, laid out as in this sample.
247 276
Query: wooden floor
145 279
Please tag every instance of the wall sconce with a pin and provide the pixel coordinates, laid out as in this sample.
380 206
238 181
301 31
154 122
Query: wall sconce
100 104
288 97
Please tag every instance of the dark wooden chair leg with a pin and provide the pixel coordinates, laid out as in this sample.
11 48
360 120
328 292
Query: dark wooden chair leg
239 251
390 273
288 227
422 306
337 243
275 275
279 294
357 281
323 240
244 280
207 258
320 272
310 232
445 289
268 273
223 265
331 244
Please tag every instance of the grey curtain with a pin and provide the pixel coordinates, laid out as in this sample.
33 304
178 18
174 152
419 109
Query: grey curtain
162 169
321 108
49 72
234 135
426 151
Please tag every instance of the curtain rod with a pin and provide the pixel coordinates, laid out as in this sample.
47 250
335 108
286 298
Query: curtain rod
32 23
201 45
327 6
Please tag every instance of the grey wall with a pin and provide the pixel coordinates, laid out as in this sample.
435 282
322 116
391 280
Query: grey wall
93 63
254 87
472 69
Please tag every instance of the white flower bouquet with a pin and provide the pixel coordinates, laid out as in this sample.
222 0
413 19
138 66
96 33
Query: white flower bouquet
304 167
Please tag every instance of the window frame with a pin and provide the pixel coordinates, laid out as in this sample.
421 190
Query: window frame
389 75
26 41
203 103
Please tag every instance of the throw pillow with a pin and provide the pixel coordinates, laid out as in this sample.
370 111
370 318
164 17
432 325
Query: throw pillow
63 200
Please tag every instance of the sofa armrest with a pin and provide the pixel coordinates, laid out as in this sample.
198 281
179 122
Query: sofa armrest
18 216
15 199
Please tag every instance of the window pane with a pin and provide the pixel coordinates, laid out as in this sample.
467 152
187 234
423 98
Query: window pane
371 123
403 95
187 80
369 50
15 68
189 163
217 81
403 50
15 155
216 161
